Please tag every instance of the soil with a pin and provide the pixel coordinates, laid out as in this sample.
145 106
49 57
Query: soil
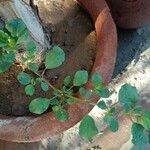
72 30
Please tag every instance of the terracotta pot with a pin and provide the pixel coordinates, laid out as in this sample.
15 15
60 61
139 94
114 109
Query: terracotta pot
31 129
130 13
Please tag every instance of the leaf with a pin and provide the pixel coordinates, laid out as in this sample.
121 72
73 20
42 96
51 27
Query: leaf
81 78
88 129
69 92
145 120
64 89
67 80
103 92
3 38
38 80
82 91
44 86
112 110
89 94
54 102
30 49
33 81
11 47
6 61
147 113
107 117
139 136
56 93
16 27
24 37
97 79
71 101
128 94
127 107
137 109
33 67
54 58
24 78
102 105
113 124
55 108
39 105
29 89
62 115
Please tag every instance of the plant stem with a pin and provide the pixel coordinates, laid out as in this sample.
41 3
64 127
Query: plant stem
81 100
72 97
43 72
61 93
43 79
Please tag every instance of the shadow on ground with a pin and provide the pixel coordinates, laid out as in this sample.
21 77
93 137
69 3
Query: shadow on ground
131 43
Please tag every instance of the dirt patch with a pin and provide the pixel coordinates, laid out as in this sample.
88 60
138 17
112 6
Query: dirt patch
71 29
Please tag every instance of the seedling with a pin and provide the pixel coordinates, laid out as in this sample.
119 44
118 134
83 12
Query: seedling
15 36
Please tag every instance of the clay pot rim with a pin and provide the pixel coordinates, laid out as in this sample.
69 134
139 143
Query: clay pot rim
31 129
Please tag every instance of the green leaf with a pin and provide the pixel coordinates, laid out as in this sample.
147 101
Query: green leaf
88 129
139 136
30 49
55 108
24 37
137 109
29 89
6 61
81 78
127 107
71 101
54 102
103 92
56 93
24 78
147 113
128 94
69 92
54 58
102 105
44 86
39 105
97 79
33 81
64 89
112 110
3 38
38 80
113 124
34 67
11 47
145 120
67 80
107 117
82 91
16 27
62 115
89 94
